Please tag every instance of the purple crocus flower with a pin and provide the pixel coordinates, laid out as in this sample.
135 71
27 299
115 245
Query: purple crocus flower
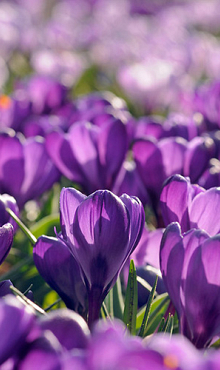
130 182
197 156
88 154
6 201
28 162
158 160
60 270
44 93
190 269
190 205
101 231
17 320
6 239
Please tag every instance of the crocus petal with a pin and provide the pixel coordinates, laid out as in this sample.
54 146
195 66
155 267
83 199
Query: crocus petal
202 292
16 322
45 353
101 231
68 327
59 150
149 162
176 196
40 172
10 202
83 141
11 163
70 199
203 211
200 150
112 146
60 270
6 239
171 262
173 150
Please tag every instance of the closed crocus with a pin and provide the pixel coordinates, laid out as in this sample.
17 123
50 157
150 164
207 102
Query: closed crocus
157 160
26 170
6 201
101 231
60 270
190 205
190 269
6 239
89 155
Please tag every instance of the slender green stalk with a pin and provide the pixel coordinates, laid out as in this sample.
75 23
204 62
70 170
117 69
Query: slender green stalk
147 311
22 226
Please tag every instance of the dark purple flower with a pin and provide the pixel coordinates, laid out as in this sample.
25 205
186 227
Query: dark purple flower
89 155
6 239
190 205
17 320
190 269
9 202
44 93
197 156
60 270
68 327
101 231
13 110
158 160
26 171
177 351
129 182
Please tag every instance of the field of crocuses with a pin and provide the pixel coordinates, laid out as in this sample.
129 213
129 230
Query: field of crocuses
110 185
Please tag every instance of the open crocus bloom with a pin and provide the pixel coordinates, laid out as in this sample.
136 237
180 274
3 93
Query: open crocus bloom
190 205
190 269
101 231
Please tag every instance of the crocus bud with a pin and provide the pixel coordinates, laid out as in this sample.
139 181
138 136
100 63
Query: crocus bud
101 231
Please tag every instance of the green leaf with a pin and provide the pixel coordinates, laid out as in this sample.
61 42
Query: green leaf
158 309
118 303
216 344
147 311
43 226
130 309
169 325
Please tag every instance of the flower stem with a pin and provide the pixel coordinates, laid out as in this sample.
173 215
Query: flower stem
95 303
22 226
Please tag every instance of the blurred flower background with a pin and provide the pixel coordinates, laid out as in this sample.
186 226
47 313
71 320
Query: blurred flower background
153 53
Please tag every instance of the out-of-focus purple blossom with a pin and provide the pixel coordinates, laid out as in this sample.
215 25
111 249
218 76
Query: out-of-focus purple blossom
89 155
9 202
17 320
64 66
101 232
177 352
5 287
27 162
211 177
157 160
148 248
44 93
13 110
189 265
152 8
197 156
69 328
190 205
129 182
206 101
60 270
6 239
